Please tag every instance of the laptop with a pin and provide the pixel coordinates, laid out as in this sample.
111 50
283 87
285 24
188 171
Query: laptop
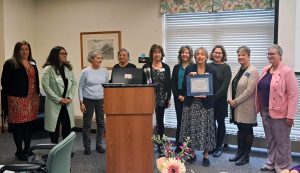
127 76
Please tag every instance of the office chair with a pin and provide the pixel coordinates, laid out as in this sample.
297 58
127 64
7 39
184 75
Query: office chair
58 160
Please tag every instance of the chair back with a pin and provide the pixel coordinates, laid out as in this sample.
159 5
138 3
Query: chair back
59 158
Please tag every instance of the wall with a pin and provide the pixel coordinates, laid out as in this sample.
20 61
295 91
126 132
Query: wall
60 23
297 37
288 38
2 49
19 20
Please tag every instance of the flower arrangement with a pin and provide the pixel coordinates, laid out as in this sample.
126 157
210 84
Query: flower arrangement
172 162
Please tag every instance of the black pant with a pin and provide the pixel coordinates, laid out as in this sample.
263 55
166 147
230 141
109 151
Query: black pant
245 128
160 113
178 108
22 132
221 130
64 121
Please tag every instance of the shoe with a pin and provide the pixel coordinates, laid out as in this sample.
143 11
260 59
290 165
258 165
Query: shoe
218 152
178 149
210 152
236 157
190 160
87 151
205 162
100 149
263 169
21 156
225 146
243 160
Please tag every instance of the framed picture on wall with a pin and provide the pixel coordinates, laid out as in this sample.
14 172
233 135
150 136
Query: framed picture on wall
108 42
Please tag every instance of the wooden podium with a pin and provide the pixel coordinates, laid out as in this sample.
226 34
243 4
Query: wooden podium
129 110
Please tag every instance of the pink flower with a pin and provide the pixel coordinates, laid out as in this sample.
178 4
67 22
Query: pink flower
172 165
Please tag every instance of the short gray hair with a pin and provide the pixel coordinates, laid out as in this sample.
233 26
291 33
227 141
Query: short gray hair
278 48
244 49
93 54
124 50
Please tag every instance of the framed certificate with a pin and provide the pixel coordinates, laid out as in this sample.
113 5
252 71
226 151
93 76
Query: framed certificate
200 85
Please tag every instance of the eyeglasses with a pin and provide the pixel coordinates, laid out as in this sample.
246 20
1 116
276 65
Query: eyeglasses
270 54
63 53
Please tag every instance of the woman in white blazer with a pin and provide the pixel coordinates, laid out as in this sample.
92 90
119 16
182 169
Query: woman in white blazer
59 84
241 98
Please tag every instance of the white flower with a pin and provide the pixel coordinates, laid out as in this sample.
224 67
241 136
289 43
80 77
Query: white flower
160 162
172 165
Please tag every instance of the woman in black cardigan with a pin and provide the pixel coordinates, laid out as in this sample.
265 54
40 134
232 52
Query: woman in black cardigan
198 111
185 58
158 73
20 83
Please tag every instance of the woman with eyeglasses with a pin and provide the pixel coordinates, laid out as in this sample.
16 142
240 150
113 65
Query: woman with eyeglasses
90 92
219 57
277 102
59 84
241 98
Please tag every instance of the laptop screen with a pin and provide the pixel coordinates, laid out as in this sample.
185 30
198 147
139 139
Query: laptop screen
127 75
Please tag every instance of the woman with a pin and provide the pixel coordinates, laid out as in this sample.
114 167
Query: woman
123 57
277 99
198 113
90 92
241 98
158 73
20 83
185 55
219 57
59 84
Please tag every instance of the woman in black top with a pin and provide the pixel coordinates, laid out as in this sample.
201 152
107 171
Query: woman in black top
20 83
198 111
185 55
219 57
123 57
158 73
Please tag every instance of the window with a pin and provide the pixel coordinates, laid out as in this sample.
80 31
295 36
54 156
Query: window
253 28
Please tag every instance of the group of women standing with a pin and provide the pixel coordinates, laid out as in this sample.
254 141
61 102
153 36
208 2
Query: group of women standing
274 94
202 118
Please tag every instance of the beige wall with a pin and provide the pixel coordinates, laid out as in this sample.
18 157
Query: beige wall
2 52
297 37
19 24
287 30
47 23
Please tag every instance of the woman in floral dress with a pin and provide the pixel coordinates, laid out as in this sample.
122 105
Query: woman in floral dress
198 112
20 82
